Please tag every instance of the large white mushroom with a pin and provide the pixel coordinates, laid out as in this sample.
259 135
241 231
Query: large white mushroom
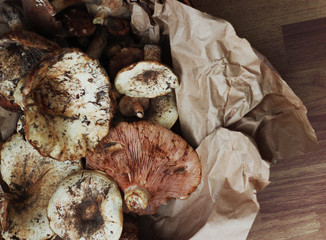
68 102
32 179
87 205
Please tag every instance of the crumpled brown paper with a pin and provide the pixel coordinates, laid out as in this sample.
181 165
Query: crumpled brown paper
235 109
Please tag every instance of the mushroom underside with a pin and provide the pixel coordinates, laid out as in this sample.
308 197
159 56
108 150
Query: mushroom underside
149 157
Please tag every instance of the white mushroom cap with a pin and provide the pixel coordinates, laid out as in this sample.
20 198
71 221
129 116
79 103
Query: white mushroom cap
68 104
163 110
146 79
32 179
87 205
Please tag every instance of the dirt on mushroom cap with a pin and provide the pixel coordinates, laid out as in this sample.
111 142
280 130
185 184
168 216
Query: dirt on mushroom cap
149 156
31 179
19 52
68 104
87 205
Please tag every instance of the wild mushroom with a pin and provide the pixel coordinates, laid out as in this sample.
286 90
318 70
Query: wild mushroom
163 110
87 205
42 13
146 79
150 163
113 8
68 104
133 106
32 179
77 22
19 52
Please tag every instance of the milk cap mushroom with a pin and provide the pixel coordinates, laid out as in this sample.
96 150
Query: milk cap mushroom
68 104
150 163
146 79
87 205
31 179
19 52
163 110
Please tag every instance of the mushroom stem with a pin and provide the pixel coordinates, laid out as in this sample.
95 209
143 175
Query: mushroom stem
98 43
152 53
136 198
138 109
59 5
100 17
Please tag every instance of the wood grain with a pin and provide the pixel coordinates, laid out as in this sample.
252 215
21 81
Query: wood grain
292 35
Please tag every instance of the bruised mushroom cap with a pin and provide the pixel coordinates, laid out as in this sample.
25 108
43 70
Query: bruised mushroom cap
163 110
68 105
146 79
87 205
32 179
19 52
150 163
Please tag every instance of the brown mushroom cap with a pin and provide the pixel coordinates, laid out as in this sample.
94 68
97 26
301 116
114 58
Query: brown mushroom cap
32 179
146 79
87 205
19 52
150 160
68 103
78 22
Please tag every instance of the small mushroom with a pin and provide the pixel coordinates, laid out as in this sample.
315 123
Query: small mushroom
42 13
19 52
68 104
78 23
133 106
163 110
150 163
98 43
87 205
124 57
113 8
31 179
117 27
146 79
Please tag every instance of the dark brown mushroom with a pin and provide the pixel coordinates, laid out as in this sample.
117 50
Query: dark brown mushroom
68 104
78 23
42 13
19 52
150 163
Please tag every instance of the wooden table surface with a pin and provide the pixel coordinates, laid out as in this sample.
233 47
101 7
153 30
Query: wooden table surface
292 35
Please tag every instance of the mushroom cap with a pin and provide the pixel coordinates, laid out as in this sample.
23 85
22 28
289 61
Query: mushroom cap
123 58
68 104
146 79
113 8
163 110
149 156
32 179
19 52
78 22
42 15
87 205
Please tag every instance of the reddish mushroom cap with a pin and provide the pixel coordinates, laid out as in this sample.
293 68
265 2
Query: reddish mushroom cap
150 160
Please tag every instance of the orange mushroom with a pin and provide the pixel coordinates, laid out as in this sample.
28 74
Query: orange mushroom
150 163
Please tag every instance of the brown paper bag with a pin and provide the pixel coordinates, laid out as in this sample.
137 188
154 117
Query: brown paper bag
225 85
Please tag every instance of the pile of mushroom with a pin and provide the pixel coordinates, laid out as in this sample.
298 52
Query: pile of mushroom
73 161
